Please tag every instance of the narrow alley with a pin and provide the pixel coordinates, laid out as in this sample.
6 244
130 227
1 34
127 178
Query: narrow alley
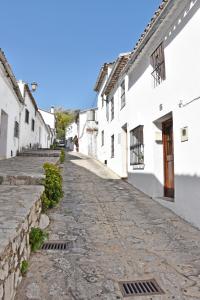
114 233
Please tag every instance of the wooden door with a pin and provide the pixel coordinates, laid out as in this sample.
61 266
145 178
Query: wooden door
168 148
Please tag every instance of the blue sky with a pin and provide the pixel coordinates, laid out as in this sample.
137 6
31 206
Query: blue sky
61 44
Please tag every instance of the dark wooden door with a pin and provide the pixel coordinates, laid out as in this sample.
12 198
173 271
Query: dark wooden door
168 147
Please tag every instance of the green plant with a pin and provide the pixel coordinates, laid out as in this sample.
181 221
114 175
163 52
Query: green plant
62 156
36 238
46 203
24 267
53 185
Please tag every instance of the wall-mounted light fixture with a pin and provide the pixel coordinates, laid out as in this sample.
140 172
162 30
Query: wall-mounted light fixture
180 103
34 86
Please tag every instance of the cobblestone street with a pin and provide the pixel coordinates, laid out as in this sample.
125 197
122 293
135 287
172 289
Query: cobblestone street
114 233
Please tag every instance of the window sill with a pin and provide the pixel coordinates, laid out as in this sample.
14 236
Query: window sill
138 167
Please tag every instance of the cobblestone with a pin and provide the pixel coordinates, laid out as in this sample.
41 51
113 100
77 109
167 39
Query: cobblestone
115 233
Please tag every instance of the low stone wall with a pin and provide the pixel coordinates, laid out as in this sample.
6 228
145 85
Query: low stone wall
14 238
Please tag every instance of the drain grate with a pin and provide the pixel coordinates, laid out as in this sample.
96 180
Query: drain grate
140 288
57 245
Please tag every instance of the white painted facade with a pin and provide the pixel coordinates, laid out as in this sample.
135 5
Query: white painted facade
10 108
177 97
70 133
21 124
50 120
87 132
34 132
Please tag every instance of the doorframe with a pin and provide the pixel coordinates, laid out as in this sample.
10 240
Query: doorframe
3 126
165 169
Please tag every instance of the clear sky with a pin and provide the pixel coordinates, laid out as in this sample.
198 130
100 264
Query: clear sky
61 44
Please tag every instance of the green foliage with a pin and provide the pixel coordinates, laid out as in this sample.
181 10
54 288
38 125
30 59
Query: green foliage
63 119
36 238
46 203
53 146
24 267
62 156
53 185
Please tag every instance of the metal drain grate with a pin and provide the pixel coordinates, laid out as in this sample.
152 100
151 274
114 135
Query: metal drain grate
55 246
140 288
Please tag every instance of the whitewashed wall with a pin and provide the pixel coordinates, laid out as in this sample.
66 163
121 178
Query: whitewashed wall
49 119
28 137
87 135
70 132
10 104
179 33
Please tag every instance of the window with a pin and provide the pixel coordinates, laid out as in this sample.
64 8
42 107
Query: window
102 138
107 110
33 125
123 98
16 130
112 146
26 116
102 101
158 64
112 108
136 146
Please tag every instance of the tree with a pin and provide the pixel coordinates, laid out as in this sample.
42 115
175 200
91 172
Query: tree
63 119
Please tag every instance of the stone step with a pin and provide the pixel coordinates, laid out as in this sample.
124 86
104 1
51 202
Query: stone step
21 179
40 153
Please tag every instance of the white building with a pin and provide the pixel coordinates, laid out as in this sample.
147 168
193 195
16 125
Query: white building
11 104
21 124
151 135
87 132
70 132
50 120
34 132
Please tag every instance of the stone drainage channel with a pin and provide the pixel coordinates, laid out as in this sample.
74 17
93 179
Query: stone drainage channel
119 244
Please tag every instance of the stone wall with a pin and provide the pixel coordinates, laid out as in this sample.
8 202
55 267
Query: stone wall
16 250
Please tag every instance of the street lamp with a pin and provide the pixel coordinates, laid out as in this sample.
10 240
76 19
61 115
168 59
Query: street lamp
34 86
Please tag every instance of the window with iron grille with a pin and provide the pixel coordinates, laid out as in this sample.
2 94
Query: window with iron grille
102 138
123 96
26 116
158 64
112 108
16 130
107 110
33 125
112 146
136 146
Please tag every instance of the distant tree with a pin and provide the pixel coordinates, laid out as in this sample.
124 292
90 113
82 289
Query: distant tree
63 119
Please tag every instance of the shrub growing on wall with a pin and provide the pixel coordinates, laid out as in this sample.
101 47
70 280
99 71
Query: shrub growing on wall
53 185
36 238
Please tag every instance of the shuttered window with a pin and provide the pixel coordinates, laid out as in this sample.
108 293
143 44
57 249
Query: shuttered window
123 96
136 146
112 108
107 110
158 64
26 116
112 146
16 130
33 125
102 138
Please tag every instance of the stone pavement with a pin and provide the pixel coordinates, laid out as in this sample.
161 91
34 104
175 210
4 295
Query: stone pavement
115 233
24 169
